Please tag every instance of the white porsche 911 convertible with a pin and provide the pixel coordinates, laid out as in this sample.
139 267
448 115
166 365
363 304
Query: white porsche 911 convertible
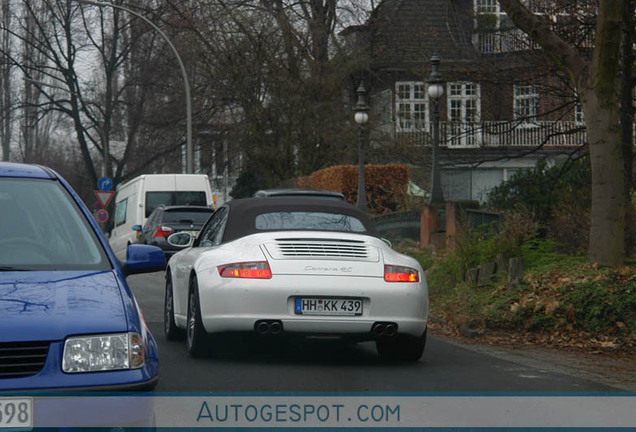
295 266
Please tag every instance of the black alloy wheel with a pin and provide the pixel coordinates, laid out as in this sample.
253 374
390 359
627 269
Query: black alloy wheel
170 328
195 334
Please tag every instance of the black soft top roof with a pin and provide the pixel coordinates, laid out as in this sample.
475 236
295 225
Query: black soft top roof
243 212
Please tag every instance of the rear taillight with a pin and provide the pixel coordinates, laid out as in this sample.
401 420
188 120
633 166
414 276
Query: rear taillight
247 270
162 231
400 274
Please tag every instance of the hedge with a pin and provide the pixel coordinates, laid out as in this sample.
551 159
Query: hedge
386 185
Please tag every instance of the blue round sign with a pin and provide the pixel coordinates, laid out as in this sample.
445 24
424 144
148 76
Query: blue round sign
102 216
104 184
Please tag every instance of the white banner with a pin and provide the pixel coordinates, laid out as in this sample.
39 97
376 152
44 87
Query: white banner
323 411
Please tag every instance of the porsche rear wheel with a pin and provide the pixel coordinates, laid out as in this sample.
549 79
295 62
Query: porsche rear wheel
170 328
196 337
402 347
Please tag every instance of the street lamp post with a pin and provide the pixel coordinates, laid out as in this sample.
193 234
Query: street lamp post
435 92
189 149
361 117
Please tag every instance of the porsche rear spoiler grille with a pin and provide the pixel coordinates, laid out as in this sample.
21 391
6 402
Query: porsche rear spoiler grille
322 248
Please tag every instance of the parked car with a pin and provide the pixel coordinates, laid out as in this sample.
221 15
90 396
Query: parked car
295 266
315 193
68 319
136 199
166 220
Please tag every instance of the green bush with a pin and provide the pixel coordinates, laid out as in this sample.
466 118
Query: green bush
557 197
598 307
542 189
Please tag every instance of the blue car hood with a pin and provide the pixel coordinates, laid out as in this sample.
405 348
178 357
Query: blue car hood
47 306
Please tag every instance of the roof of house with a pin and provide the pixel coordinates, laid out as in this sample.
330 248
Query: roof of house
405 33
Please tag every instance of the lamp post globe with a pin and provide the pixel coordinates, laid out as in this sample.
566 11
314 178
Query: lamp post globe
435 90
361 117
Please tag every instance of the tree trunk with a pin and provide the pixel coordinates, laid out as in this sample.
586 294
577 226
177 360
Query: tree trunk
5 85
597 84
607 217
627 121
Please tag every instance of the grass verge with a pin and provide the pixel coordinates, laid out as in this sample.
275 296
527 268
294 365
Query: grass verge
562 301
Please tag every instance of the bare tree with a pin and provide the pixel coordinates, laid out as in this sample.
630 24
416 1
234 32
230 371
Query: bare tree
6 99
94 66
268 73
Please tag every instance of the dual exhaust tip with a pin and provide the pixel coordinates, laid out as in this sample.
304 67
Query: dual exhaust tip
384 329
267 327
275 327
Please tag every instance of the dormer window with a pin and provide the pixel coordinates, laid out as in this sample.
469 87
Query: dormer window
494 30
487 6
490 16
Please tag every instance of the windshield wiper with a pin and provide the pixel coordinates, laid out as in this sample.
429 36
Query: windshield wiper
10 268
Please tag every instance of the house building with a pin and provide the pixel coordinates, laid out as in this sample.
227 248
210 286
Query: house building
504 106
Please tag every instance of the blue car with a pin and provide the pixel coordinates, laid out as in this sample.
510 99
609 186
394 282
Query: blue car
68 320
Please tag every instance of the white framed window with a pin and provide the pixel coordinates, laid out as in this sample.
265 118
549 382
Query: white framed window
464 102
493 9
464 112
487 6
496 32
579 116
526 102
411 106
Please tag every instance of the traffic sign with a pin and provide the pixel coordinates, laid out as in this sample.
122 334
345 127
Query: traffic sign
104 197
102 216
104 184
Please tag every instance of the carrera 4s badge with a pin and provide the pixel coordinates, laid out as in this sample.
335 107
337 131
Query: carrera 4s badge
329 269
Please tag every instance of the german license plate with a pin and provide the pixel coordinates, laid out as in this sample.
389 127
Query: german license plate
327 306
16 413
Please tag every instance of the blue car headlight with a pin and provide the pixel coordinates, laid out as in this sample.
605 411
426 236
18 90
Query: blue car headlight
103 353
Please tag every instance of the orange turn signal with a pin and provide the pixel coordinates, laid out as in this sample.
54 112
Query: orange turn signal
400 274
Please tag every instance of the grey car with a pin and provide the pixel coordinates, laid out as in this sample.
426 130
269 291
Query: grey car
167 220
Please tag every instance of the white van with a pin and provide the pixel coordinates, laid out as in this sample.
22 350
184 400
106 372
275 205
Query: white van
137 198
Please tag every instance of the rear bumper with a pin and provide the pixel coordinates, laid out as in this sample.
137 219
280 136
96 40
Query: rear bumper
324 326
236 305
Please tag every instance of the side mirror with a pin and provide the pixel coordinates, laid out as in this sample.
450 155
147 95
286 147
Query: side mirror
136 228
143 259
181 239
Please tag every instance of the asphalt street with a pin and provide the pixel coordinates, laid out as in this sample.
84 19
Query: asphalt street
240 364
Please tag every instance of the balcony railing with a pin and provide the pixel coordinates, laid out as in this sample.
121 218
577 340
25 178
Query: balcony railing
504 41
513 40
502 134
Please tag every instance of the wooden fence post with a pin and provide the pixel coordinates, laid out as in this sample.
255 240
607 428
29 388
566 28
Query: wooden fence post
515 273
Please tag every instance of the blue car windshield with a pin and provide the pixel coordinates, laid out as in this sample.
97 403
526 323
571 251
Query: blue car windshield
42 228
